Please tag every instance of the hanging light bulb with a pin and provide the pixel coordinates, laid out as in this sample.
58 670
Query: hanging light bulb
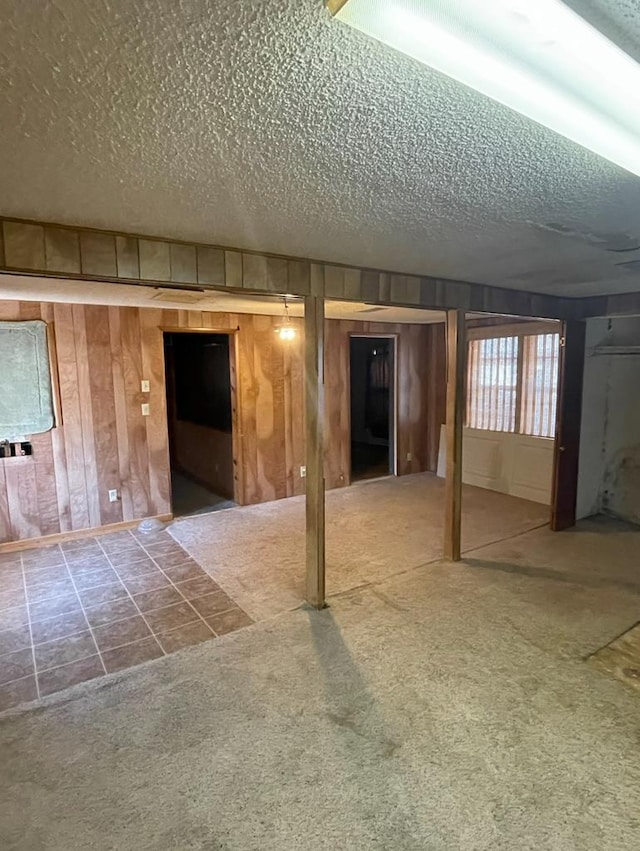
286 331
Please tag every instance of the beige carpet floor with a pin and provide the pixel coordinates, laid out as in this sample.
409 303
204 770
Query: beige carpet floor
374 530
449 708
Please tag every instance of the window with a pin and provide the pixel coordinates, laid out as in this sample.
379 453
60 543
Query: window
493 377
540 385
512 384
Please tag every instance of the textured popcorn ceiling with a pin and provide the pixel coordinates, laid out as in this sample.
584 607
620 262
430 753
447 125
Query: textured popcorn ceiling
265 124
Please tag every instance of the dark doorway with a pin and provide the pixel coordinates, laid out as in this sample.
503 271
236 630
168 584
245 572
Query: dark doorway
200 420
372 407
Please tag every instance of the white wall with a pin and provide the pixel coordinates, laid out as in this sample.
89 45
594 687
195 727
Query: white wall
515 464
609 476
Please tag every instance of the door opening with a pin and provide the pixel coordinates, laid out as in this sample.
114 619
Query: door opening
200 421
372 378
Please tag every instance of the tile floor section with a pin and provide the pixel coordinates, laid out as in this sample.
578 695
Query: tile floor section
85 608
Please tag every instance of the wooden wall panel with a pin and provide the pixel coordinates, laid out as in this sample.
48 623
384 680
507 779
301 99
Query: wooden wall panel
104 442
103 410
138 473
421 395
436 390
89 432
71 418
156 424
337 458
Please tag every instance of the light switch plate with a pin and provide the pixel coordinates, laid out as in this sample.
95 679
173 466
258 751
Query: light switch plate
113 496
303 472
144 386
145 409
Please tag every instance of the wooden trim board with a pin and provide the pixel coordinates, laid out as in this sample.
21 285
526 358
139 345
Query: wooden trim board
62 537
456 362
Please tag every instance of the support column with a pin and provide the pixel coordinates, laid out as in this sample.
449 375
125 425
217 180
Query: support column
456 364
568 424
314 412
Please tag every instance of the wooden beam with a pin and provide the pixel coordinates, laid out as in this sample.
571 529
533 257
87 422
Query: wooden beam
621 304
569 417
220 268
456 363
314 423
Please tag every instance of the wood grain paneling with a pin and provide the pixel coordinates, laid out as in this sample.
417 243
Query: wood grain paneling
103 441
421 395
156 259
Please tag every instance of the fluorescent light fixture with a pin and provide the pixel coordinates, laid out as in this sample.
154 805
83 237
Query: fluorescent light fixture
536 56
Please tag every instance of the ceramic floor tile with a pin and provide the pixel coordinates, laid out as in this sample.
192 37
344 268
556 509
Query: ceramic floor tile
158 599
185 636
116 610
171 559
16 665
17 692
229 621
12 597
46 575
11 578
136 568
128 556
42 557
92 577
103 594
14 618
54 606
79 544
131 654
69 675
112 579
213 604
86 556
148 582
182 572
82 564
62 651
14 639
46 590
193 588
171 617
121 632
58 627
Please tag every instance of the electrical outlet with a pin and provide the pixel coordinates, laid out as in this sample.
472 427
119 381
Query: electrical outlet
409 456
303 472
113 496
145 409
145 386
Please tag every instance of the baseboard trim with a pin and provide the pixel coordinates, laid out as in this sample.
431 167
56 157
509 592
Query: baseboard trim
61 537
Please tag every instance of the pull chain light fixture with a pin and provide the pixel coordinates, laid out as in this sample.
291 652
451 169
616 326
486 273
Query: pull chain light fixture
287 330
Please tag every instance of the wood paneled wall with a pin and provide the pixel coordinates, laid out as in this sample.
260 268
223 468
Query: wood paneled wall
87 254
103 441
420 395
